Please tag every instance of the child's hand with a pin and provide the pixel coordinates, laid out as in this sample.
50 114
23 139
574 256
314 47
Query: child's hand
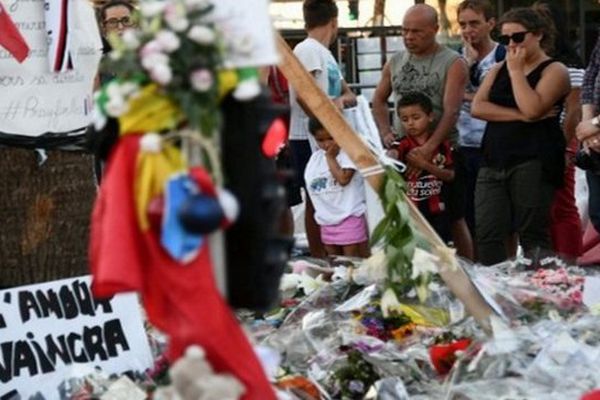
416 159
333 150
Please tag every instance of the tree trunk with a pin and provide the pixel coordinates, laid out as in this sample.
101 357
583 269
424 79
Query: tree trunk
44 213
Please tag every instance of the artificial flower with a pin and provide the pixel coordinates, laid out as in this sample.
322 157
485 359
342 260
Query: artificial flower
161 74
202 80
152 60
169 42
202 35
175 16
308 284
152 8
130 39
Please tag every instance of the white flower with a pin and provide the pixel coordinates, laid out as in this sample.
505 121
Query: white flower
169 42
151 142
309 284
152 8
202 35
201 80
372 270
128 88
389 301
130 39
152 47
161 73
423 263
247 90
153 60
116 107
289 282
175 17
113 90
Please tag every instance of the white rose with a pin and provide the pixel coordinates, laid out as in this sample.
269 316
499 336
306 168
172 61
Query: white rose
152 60
116 107
161 74
152 8
201 80
202 35
130 39
169 42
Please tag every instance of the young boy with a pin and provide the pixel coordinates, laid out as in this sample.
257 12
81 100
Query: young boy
338 195
427 180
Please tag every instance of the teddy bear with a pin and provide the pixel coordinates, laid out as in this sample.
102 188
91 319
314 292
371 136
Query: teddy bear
192 378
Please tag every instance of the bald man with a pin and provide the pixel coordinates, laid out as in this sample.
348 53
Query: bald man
426 66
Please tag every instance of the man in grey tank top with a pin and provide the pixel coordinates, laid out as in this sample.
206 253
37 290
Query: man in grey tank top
440 73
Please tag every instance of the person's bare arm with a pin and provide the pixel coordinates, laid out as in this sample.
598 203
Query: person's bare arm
380 106
536 102
418 161
343 176
454 91
572 113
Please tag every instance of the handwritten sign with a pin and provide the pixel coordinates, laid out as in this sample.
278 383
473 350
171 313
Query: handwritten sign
54 331
248 32
35 100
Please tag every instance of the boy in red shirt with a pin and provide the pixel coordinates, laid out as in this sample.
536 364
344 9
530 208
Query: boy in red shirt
426 180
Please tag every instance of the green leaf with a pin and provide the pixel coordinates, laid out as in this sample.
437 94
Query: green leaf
380 231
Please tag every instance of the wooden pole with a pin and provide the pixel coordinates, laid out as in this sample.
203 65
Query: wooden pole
332 119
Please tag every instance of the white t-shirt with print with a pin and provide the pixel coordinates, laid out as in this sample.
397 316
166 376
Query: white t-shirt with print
333 202
318 60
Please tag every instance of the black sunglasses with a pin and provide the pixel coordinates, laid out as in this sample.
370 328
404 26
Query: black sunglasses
517 37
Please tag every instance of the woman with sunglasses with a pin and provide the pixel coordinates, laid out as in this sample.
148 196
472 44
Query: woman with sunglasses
523 145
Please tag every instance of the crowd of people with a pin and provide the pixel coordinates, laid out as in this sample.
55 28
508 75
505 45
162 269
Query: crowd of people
490 134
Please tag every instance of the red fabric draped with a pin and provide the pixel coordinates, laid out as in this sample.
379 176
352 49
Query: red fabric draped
181 299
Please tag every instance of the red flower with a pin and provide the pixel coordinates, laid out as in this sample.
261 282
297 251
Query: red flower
443 355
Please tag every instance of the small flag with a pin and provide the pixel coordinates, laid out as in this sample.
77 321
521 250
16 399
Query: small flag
10 37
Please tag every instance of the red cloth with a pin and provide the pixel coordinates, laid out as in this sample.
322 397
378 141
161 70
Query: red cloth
565 223
181 299
10 37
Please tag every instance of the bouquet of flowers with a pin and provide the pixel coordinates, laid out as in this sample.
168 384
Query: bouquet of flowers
355 377
179 52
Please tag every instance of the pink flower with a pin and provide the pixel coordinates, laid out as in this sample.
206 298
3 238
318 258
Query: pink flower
201 80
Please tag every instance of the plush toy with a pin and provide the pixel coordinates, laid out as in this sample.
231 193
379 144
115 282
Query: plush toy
193 378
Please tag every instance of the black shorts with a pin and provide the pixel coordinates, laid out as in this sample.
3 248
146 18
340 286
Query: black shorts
457 190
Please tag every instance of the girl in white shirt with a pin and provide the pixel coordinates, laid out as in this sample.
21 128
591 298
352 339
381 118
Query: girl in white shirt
338 195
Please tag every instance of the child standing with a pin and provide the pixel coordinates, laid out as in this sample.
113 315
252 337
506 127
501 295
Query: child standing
427 180
338 195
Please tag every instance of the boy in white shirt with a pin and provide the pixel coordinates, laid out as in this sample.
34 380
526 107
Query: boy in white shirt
338 196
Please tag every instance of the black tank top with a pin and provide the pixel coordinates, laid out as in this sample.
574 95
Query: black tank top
508 143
